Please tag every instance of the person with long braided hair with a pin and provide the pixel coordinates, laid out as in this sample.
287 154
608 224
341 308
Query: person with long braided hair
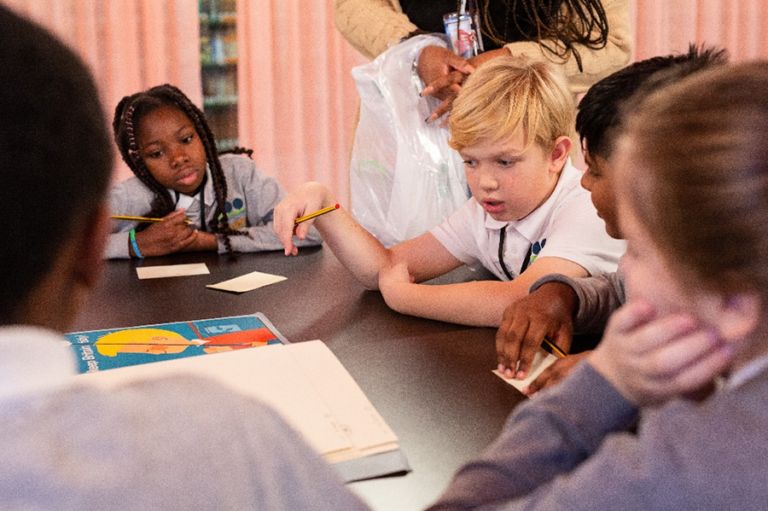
206 201
588 39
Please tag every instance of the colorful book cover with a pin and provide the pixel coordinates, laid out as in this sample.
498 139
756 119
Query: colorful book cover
98 350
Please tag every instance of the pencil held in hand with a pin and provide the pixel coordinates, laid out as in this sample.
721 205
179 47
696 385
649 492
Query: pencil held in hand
554 348
145 219
315 214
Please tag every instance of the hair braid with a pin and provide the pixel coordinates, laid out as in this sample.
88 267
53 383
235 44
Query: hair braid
125 136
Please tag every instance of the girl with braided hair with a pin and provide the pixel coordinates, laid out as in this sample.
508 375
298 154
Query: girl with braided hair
207 201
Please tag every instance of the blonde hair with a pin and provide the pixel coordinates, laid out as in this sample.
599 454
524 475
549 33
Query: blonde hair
700 175
509 93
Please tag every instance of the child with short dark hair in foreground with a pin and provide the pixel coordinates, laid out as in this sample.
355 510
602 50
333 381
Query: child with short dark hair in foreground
182 442
528 215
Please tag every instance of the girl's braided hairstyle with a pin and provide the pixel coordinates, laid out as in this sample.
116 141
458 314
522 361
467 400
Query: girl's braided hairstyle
130 110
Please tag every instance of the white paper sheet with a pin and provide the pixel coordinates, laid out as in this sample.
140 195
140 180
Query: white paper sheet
172 270
247 282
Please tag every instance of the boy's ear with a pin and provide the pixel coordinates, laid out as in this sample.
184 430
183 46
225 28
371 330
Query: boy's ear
91 242
561 149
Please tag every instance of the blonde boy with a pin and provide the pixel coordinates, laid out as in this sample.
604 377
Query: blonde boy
528 215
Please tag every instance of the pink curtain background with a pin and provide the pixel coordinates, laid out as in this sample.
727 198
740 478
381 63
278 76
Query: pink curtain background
130 45
297 98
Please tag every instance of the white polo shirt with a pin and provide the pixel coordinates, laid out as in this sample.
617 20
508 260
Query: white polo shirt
565 226
35 361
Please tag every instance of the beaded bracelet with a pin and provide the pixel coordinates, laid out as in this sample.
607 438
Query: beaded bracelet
135 245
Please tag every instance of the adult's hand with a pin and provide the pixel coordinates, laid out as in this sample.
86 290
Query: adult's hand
446 84
436 63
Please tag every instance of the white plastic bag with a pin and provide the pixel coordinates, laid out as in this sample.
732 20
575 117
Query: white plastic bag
404 178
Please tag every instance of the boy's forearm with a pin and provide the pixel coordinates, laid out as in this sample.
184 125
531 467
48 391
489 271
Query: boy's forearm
357 249
479 303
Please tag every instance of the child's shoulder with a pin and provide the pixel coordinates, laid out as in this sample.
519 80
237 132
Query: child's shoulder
236 159
239 168
131 185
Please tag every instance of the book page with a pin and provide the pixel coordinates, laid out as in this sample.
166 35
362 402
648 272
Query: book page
366 429
304 382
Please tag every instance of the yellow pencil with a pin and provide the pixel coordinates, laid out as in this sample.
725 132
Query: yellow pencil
316 213
142 218
555 350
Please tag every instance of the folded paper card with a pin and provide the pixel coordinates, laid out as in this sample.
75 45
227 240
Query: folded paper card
172 270
540 362
247 282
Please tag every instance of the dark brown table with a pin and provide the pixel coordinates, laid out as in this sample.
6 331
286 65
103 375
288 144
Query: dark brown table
431 381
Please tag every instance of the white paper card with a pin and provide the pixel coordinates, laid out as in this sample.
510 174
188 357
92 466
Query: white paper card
172 270
247 282
541 361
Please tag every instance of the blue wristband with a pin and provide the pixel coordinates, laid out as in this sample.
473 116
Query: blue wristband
135 246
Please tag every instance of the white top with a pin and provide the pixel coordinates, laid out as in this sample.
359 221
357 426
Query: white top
565 226
35 361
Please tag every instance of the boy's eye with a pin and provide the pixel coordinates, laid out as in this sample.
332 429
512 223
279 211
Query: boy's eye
187 139
506 163
470 163
155 154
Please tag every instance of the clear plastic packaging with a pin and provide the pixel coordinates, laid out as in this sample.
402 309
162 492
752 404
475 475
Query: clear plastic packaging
404 178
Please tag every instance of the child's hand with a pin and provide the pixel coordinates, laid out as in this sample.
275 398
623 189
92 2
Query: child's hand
166 237
547 312
651 360
308 198
554 373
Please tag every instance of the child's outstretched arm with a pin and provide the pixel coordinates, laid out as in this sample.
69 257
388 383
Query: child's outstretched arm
479 303
359 251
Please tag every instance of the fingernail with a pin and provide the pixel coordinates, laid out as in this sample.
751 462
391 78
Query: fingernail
500 368
520 375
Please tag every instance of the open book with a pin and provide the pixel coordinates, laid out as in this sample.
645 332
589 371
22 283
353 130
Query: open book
308 386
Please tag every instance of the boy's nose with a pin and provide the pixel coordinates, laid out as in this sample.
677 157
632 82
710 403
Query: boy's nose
488 181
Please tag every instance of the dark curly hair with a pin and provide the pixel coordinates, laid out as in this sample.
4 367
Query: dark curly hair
568 22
